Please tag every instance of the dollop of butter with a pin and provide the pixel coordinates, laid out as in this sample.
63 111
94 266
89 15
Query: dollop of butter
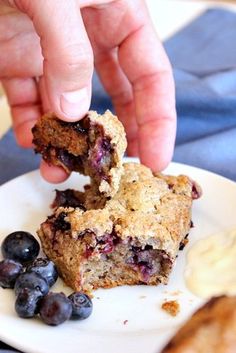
211 265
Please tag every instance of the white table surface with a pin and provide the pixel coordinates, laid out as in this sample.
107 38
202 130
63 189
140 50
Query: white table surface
168 16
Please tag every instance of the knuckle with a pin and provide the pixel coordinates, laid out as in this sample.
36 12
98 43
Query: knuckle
77 58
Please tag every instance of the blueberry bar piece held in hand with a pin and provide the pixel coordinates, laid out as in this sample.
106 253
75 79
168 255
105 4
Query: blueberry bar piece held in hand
93 146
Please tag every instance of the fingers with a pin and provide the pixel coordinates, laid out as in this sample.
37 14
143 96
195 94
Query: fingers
20 54
68 58
142 60
67 69
156 142
146 65
23 98
138 77
44 97
117 85
52 174
20 59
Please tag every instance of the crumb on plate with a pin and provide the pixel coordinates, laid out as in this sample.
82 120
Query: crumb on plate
172 307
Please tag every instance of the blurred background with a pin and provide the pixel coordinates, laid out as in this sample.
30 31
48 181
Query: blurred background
171 15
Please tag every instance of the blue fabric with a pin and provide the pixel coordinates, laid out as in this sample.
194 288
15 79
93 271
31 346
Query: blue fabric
203 56
14 160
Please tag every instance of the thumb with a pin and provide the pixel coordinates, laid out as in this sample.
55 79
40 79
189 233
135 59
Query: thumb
67 53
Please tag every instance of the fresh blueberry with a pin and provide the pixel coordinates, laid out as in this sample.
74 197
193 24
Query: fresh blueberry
55 308
9 271
45 268
33 281
27 302
20 246
82 306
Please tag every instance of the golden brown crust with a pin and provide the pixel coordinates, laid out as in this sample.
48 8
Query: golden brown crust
181 183
212 329
132 238
93 146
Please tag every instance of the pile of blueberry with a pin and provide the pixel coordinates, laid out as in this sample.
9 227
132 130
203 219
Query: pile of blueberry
31 278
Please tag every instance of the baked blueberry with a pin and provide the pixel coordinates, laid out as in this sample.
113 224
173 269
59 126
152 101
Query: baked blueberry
33 281
45 268
55 308
20 246
82 306
9 271
68 198
27 302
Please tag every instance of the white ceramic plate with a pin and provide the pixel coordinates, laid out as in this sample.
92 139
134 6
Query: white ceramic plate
125 319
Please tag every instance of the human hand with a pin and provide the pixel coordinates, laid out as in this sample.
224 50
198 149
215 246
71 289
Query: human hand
48 50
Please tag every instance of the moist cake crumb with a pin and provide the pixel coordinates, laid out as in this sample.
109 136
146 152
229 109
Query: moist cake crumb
93 146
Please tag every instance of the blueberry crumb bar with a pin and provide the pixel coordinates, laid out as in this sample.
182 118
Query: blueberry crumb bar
132 238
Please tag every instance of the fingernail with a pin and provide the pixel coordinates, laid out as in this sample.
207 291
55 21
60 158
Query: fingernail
75 103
